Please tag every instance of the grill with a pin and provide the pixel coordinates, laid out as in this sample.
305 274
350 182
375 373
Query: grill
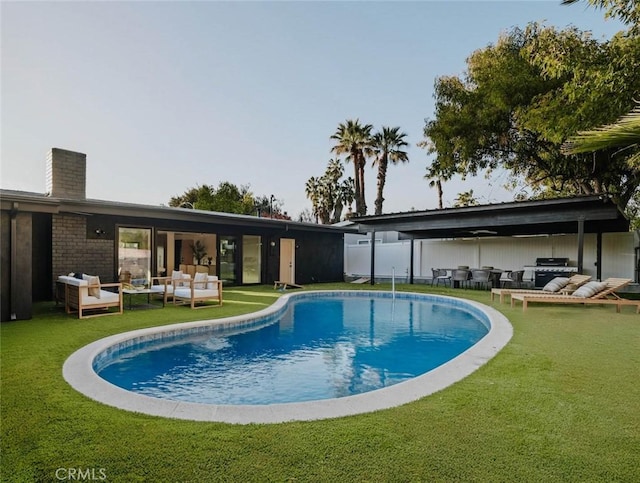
546 269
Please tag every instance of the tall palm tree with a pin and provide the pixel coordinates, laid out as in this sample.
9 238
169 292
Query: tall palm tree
388 145
354 140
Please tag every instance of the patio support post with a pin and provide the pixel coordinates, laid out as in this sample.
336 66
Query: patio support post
599 255
373 257
411 262
580 244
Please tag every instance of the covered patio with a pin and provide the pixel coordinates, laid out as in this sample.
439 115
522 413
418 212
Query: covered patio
579 216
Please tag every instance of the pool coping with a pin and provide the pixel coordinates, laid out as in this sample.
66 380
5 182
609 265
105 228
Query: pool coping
79 373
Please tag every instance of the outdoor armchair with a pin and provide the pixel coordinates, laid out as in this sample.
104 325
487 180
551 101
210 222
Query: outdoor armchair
202 288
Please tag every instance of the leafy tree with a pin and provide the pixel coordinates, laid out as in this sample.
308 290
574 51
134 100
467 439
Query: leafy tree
305 216
465 198
623 135
226 198
387 145
622 139
270 207
628 11
521 98
354 140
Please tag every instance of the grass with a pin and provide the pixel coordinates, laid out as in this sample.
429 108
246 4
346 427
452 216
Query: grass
560 403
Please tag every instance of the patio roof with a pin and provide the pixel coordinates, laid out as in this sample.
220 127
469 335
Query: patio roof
584 214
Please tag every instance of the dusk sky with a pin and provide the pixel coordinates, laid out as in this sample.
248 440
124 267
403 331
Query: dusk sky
165 96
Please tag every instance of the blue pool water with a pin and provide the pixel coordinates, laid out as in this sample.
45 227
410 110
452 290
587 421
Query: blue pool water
318 348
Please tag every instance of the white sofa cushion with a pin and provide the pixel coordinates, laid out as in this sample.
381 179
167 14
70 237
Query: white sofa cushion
200 280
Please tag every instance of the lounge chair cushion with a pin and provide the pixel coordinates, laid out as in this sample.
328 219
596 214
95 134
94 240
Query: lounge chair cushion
589 289
93 280
200 280
556 284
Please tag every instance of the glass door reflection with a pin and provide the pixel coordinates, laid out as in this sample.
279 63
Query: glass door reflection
228 250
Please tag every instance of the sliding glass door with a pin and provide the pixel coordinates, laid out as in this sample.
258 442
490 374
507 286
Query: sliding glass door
227 254
134 255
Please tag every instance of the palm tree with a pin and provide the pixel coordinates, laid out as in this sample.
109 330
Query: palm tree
344 197
622 135
388 146
353 139
437 183
312 190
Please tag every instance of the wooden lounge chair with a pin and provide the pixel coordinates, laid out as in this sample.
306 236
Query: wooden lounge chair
575 281
606 296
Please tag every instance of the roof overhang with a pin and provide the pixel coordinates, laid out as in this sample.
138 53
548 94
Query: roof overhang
33 202
597 214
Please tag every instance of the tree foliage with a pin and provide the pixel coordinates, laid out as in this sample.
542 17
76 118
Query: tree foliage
354 140
521 98
329 193
628 11
227 198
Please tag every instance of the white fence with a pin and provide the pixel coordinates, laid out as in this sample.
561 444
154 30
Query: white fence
508 253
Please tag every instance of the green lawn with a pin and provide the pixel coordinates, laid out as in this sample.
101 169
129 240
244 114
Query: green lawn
560 403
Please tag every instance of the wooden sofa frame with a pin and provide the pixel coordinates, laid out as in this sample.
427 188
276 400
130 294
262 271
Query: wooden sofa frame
74 302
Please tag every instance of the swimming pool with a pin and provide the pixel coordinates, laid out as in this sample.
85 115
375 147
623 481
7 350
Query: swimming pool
364 380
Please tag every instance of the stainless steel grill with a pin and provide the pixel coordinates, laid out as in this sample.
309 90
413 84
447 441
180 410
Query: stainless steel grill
546 269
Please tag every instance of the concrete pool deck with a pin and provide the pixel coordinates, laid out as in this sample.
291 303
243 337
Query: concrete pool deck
78 371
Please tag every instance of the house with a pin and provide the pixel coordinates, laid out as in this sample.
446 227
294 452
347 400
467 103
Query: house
44 235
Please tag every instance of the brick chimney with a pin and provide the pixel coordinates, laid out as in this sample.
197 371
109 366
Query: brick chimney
66 174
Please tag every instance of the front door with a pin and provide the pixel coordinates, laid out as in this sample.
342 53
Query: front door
288 260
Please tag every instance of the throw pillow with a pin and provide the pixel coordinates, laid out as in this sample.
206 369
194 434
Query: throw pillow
79 275
94 285
200 280
556 284
212 282
176 277
589 289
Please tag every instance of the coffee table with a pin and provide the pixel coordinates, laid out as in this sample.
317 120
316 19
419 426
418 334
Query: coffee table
131 292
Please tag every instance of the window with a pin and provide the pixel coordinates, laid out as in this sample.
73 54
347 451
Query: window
134 255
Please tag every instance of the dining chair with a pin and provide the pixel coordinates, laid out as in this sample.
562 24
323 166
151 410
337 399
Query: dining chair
480 277
440 275
460 277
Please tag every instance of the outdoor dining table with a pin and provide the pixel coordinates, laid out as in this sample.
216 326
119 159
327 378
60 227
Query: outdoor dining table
494 275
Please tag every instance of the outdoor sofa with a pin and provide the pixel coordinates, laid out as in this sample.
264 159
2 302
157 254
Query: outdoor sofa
88 294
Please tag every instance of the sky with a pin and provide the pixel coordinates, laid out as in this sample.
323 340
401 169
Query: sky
166 96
